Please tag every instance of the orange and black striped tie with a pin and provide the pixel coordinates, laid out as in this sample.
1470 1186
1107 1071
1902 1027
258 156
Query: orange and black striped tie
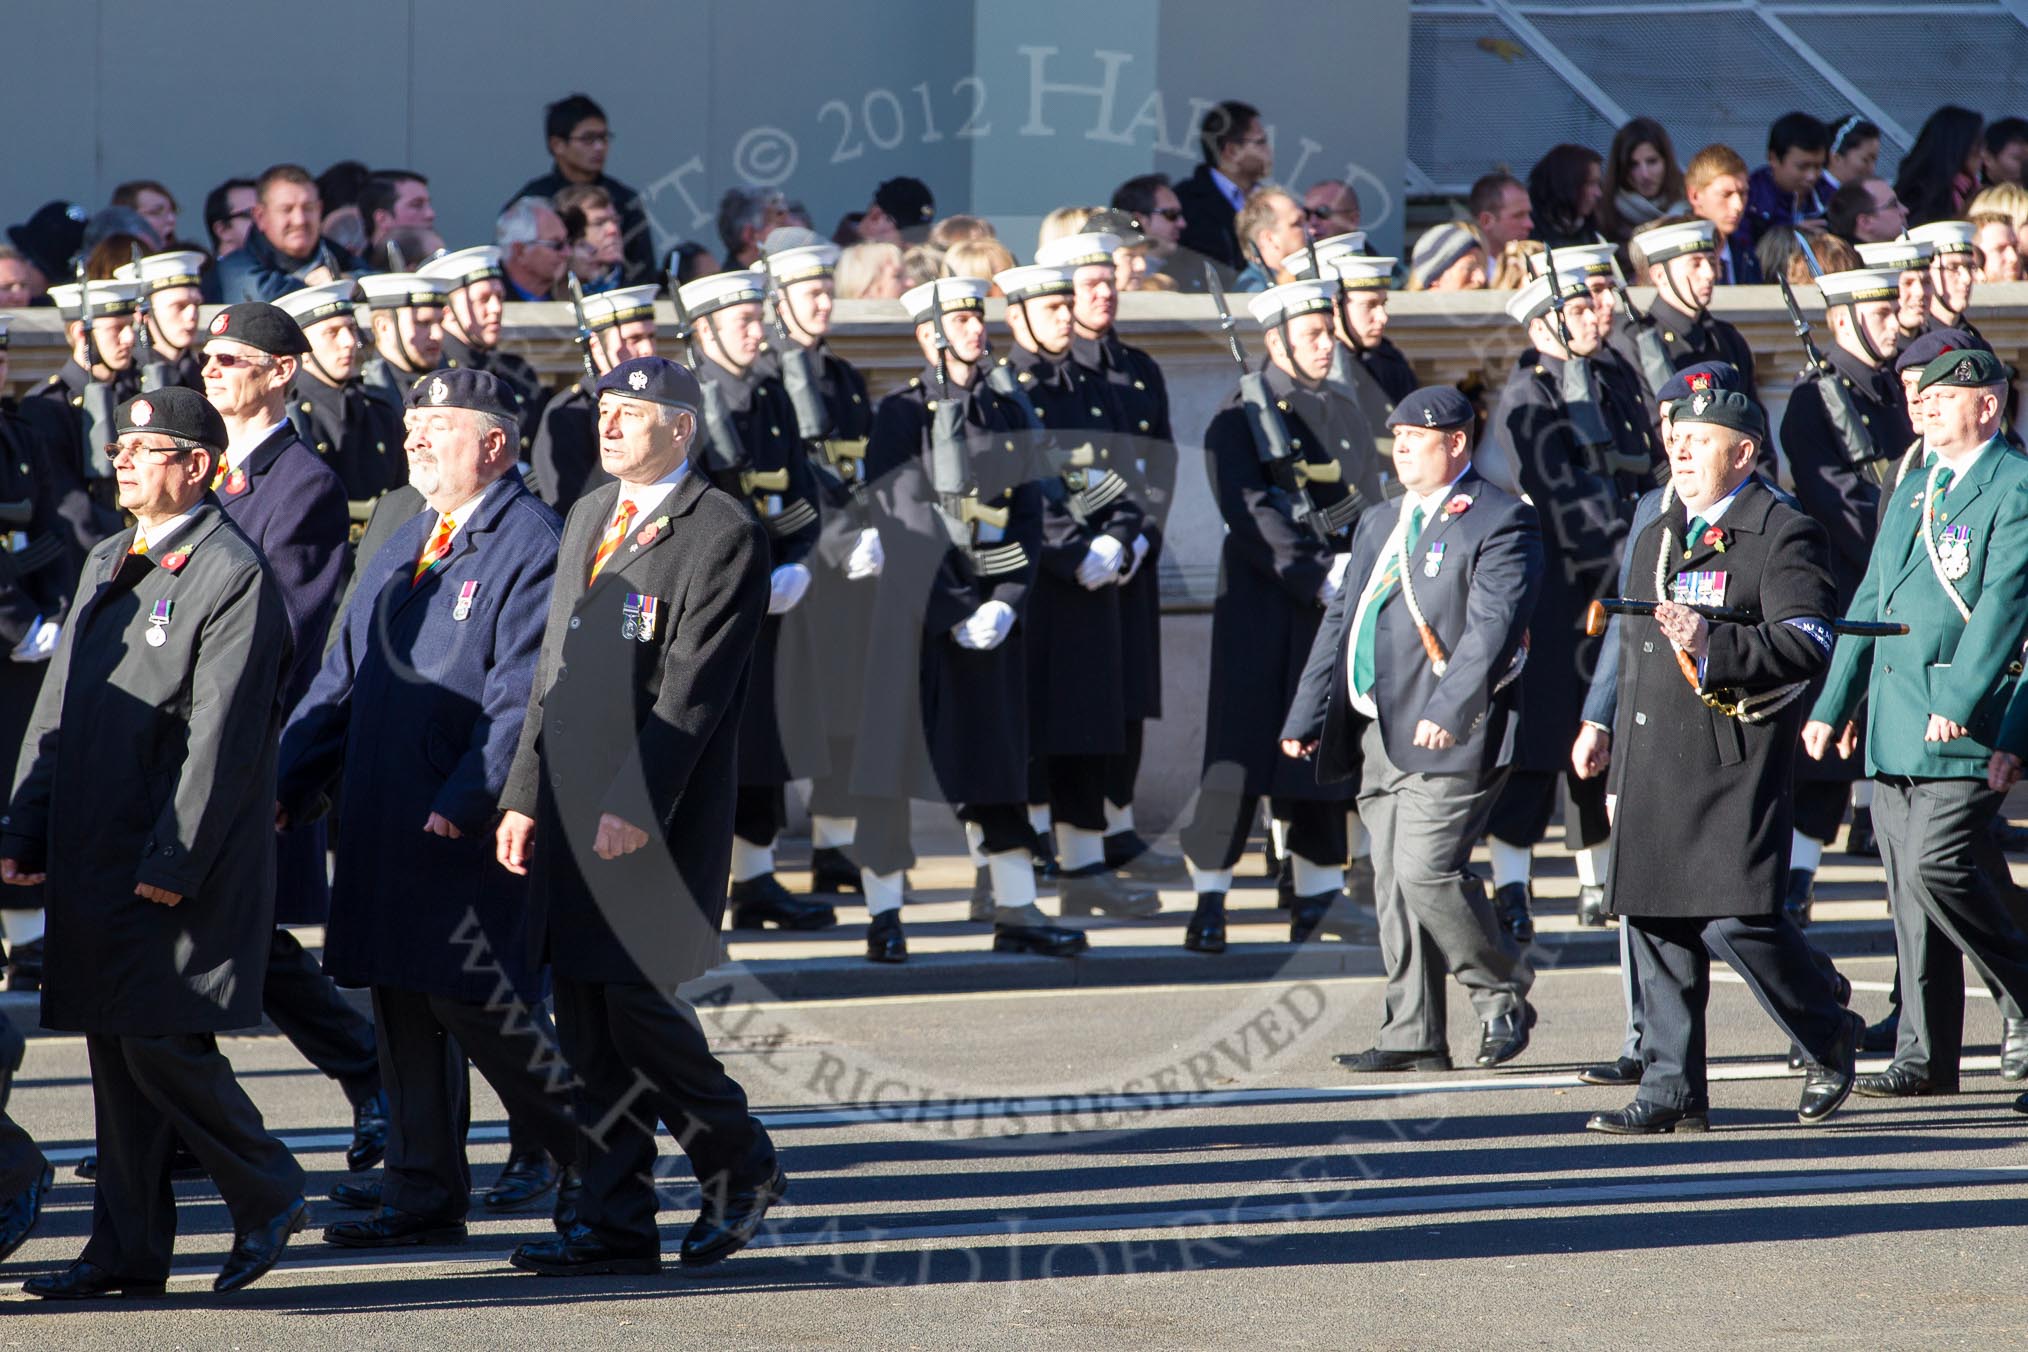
433 552
623 520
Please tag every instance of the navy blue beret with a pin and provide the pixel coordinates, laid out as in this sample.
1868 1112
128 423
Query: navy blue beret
655 379
1929 346
1438 406
1705 375
463 387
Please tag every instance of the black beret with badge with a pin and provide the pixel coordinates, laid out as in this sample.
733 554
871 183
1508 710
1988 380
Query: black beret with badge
1721 408
1438 406
173 411
267 328
654 379
1927 347
1972 369
463 387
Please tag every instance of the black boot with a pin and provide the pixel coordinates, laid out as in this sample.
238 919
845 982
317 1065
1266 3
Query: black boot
1510 908
762 901
832 872
1859 839
1882 1036
1093 891
1591 906
1024 929
1206 931
1801 896
884 941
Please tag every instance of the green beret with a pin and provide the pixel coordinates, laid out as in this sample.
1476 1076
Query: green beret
1973 368
1724 408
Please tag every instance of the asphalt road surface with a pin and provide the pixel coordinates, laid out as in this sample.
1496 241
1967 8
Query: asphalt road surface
1171 1167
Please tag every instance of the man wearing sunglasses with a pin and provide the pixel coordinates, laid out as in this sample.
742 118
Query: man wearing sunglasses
148 822
292 506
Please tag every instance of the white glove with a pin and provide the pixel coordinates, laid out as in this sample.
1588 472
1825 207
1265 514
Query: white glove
987 628
39 643
1335 580
1101 563
1140 554
786 586
867 557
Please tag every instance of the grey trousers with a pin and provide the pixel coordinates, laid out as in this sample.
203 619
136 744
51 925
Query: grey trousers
1931 833
1434 914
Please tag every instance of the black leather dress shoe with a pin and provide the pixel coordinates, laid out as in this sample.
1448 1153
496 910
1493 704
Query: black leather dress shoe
981 912
86 1281
1510 908
1902 1082
884 939
1882 1036
1506 1037
1801 896
87 1168
358 1196
523 1179
1093 891
19 1213
1624 1070
582 1254
1859 839
1134 858
1591 906
724 1229
1206 931
1379 1061
832 871
369 1133
24 966
1047 941
762 901
256 1251
1827 1086
569 1189
1641 1118
393 1230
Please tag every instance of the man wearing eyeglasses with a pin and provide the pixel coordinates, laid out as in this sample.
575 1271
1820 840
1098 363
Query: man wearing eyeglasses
148 822
534 249
292 506
579 140
1237 155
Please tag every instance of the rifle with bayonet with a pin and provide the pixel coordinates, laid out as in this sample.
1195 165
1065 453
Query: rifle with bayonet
1656 368
1576 387
1286 468
723 451
584 333
968 522
154 374
99 402
1855 442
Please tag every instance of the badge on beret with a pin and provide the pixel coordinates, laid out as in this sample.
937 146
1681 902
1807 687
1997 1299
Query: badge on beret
638 379
218 322
1428 416
158 623
439 391
235 482
1699 402
1701 381
139 412
1966 371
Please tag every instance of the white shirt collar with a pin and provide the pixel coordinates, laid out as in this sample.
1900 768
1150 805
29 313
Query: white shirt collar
1230 189
159 536
242 446
647 497
1430 503
1709 515
1961 467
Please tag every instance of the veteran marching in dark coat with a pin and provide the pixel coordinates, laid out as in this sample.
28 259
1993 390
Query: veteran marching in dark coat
834 416
752 447
1143 451
1409 689
619 806
417 714
1703 756
1284 556
161 879
945 718
292 507
1576 439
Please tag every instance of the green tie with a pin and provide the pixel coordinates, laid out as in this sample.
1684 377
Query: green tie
1691 536
1369 623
